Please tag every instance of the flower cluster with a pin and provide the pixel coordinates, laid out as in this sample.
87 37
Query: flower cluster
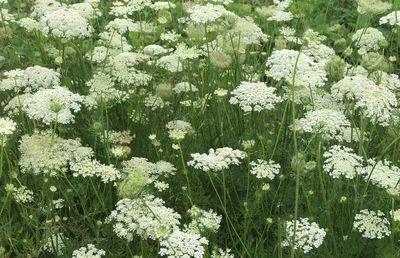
146 217
55 105
254 96
264 169
180 244
342 161
372 224
216 160
382 173
307 236
30 79
89 251
330 123
203 220
368 40
65 23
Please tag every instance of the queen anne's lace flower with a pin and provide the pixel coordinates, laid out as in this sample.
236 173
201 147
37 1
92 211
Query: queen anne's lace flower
203 14
254 96
102 90
372 224
7 126
376 101
264 169
22 194
220 253
342 161
65 23
216 160
53 105
89 251
382 173
55 244
327 122
181 244
291 64
307 237
368 40
146 217
44 154
203 220
30 80
392 19
184 87
120 26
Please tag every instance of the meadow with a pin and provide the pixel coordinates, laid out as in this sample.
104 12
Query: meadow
205 128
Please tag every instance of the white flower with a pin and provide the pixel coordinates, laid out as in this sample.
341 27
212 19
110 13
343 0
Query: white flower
377 102
264 169
307 236
247 31
161 5
30 80
179 125
44 154
327 122
7 126
255 96
216 160
220 253
89 251
184 87
391 19
154 50
181 244
102 90
65 23
288 64
342 161
203 220
382 173
128 7
29 24
372 224
203 14
22 194
53 105
59 203
55 244
120 26
368 40
146 217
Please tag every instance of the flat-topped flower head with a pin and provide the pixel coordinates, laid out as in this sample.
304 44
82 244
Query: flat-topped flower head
372 224
146 217
330 123
180 244
288 64
65 23
382 173
89 251
369 40
30 79
216 160
53 105
308 235
7 126
342 161
264 169
255 96
376 101
203 14
391 19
